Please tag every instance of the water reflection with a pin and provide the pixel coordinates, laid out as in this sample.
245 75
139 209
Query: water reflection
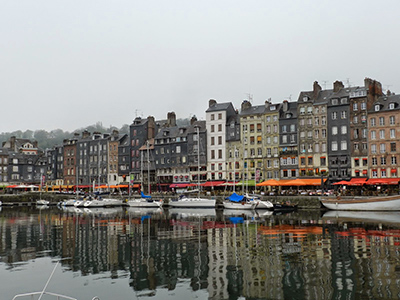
214 254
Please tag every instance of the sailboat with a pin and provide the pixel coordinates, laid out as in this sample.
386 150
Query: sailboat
194 202
145 200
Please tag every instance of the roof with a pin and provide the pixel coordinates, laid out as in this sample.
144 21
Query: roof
254 110
384 102
219 107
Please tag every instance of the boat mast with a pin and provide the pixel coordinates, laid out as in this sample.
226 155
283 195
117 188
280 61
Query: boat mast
141 170
234 170
198 160
148 167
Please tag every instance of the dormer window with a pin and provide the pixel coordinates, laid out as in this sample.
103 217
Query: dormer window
272 107
305 98
343 101
391 105
377 107
335 101
288 116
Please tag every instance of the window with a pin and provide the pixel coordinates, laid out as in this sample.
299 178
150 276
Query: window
316 121
323 121
382 148
356 133
334 146
284 138
309 109
392 120
212 117
220 140
374 161
316 133
334 130
393 147
178 149
382 134
323 133
335 101
334 115
292 128
356 162
343 101
212 154
220 116
323 147
392 133
213 129
383 161
355 119
373 122
383 173
302 134
219 153
381 121
212 140
343 114
363 105
284 128
394 160
344 129
373 149
219 127
355 106
302 110
343 145
323 161
377 107
316 148
391 105
373 135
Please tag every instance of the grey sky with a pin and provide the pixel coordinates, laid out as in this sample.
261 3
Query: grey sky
69 64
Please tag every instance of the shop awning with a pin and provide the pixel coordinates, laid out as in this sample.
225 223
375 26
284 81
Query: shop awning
343 182
269 182
357 181
212 183
303 182
250 182
380 181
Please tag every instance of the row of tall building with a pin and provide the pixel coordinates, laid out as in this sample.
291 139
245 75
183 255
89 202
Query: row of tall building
337 133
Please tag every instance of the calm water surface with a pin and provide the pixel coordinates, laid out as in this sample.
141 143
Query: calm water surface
200 254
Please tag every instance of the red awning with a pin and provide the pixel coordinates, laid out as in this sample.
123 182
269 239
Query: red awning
343 182
357 181
212 183
380 181
393 171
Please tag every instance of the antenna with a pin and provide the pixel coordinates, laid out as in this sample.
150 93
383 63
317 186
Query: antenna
348 82
250 97
290 98
388 86
324 83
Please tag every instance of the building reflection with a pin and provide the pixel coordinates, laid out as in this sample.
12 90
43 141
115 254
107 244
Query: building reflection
274 257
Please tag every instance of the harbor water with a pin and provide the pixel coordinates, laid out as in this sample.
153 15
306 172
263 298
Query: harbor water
127 253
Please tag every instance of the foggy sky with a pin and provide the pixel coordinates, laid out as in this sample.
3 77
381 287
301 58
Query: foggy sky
70 64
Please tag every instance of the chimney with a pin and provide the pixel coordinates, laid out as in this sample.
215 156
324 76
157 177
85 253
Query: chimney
151 127
285 105
245 105
192 120
171 119
212 102
316 89
85 134
337 86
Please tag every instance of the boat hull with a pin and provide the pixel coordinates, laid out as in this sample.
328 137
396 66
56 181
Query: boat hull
364 204
193 203
264 205
143 203
240 205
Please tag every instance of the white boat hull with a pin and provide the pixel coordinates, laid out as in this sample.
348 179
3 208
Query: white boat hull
93 203
264 205
143 203
193 203
369 204
370 216
240 205
42 202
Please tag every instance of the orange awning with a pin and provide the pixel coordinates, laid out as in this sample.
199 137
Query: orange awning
303 182
270 182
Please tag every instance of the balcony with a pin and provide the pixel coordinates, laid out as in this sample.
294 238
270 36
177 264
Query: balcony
288 152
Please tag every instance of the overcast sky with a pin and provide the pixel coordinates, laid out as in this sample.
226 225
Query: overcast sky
69 64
